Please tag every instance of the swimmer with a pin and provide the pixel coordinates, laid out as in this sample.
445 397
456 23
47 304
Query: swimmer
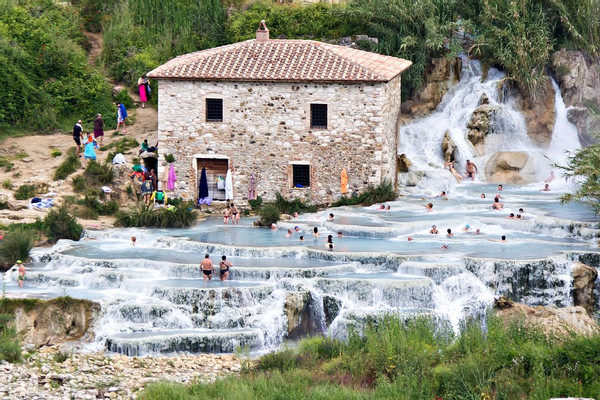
316 232
450 165
500 188
550 178
511 216
224 268
478 231
133 240
388 208
207 268
274 227
471 170
428 207
289 233
330 217
521 211
235 214
443 195
410 239
546 188
519 216
466 228
329 243
382 207
226 213
297 229
301 238
339 234
296 214
482 195
433 230
502 240
449 233
445 247
330 246
497 205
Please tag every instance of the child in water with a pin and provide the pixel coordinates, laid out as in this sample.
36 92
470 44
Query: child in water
133 240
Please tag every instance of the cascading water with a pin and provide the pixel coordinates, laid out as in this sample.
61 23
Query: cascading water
154 299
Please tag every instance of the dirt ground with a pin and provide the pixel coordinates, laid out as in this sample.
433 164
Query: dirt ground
34 164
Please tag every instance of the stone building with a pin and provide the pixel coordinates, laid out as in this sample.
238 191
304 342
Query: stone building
292 112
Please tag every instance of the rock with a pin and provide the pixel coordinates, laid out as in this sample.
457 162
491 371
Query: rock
286 217
540 115
480 124
514 167
294 304
302 309
584 281
27 159
554 322
448 147
331 308
404 163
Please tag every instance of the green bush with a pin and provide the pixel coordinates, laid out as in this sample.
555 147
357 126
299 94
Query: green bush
7 184
56 153
98 174
25 192
291 206
124 98
255 204
147 215
59 224
79 184
68 166
169 158
269 214
10 349
373 195
15 246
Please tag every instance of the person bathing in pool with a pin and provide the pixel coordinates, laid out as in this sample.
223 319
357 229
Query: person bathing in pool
224 268
207 268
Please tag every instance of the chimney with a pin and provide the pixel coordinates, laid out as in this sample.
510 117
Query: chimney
262 33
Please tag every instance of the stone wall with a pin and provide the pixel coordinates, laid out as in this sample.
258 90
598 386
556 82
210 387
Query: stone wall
266 126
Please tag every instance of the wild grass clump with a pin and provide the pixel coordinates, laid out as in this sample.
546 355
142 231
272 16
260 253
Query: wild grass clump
417 359
97 174
25 192
16 245
56 153
373 195
68 166
149 216
59 224
291 206
256 203
10 349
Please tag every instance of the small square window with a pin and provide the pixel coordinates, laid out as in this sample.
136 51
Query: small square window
214 110
301 176
318 116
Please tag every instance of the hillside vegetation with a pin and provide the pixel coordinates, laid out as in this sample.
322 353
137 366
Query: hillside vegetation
47 80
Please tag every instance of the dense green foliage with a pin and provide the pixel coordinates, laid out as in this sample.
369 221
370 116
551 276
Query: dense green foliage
584 164
25 192
46 81
15 246
378 194
269 214
416 360
147 215
10 349
59 224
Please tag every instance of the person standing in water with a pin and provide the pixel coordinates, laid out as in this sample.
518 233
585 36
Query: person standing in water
207 268
471 170
224 268
235 214
21 271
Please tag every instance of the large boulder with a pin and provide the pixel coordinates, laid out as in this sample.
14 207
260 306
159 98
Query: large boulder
584 282
480 124
448 147
579 79
440 74
540 114
513 167
403 163
554 322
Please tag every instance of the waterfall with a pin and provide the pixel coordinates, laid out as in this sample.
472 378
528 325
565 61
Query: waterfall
565 138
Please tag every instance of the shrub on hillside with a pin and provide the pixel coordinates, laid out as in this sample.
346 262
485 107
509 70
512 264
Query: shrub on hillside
16 245
97 174
59 224
68 166
373 195
25 192
269 214
149 216
10 349
286 206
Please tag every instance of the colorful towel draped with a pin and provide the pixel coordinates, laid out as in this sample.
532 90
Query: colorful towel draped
252 188
344 181
172 178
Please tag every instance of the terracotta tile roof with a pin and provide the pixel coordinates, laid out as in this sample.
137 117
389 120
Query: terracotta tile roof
282 60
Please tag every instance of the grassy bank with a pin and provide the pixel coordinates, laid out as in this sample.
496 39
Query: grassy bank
416 360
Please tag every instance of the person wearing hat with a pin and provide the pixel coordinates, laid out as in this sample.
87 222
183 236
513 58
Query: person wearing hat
21 271
77 135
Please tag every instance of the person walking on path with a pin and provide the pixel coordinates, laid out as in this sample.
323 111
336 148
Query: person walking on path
77 136
99 129
121 116
21 271
207 268
144 89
